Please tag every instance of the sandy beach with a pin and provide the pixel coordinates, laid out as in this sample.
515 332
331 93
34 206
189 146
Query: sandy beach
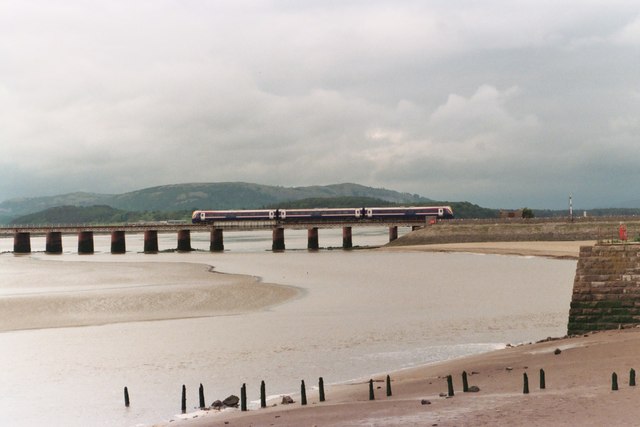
578 376
568 249
577 379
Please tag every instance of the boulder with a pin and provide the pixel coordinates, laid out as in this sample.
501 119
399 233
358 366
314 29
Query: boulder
231 401
286 400
217 405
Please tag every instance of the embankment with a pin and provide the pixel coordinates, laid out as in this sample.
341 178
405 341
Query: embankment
519 230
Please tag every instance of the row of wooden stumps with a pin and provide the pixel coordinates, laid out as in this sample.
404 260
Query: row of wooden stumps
372 395
303 390
525 382
614 380
243 396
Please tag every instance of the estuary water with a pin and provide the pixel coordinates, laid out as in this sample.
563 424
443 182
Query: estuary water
355 313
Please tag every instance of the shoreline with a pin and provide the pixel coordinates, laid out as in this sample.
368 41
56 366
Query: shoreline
556 249
578 378
578 391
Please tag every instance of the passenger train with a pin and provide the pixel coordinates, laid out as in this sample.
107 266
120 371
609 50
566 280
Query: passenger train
329 214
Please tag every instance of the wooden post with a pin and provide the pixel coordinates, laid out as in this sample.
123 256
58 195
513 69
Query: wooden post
450 386
543 384
465 382
371 394
321 387
388 386
303 394
525 388
126 397
263 395
243 397
201 395
183 405
632 377
614 381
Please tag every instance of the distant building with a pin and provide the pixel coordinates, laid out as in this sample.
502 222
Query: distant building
510 214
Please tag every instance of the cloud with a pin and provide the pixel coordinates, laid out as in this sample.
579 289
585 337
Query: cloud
503 104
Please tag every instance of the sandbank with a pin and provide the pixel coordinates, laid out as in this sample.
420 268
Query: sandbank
94 293
560 249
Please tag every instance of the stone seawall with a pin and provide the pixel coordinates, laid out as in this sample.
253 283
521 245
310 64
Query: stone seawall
606 288
515 230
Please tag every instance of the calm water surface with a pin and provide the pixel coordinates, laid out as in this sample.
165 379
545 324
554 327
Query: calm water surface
359 313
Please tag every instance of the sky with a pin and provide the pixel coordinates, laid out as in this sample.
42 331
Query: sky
502 103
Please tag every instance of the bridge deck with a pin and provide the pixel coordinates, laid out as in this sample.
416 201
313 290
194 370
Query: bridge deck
223 225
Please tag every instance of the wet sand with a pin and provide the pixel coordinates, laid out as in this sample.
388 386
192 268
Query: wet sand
578 391
125 292
578 376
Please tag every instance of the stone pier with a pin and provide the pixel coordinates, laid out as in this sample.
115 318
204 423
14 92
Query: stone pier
278 239
393 233
217 240
54 242
606 288
347 242
184 241
85 242
313 243
22 243
118 243
151 242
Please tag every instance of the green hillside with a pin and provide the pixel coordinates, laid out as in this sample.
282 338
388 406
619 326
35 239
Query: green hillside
100 214
187 197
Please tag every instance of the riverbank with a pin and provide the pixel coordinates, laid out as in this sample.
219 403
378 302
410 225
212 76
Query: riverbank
577 372
559 250
578 391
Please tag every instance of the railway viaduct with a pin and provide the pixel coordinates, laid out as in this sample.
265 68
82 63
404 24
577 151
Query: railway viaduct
22 234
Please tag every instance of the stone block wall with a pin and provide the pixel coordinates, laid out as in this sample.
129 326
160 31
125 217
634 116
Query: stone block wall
606 288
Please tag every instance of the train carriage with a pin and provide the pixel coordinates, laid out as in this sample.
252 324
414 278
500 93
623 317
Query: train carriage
232 215
320 214
422 212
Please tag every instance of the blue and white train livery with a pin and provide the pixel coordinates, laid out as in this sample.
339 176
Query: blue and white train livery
419 213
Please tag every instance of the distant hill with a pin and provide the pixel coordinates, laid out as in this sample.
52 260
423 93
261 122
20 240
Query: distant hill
240 195
99 214
186 197
25 205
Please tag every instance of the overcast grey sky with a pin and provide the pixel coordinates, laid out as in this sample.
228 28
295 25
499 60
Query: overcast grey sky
501 103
